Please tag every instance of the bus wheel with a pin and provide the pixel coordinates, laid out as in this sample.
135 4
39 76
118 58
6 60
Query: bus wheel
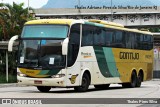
43 88
139 80
85 84
133 82
104 86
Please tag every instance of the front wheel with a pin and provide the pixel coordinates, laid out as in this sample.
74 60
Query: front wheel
43 88
85 84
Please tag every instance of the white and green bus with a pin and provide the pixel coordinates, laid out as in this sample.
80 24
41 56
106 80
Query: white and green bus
78 53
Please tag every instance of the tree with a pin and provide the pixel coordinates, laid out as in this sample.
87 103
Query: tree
12 19
155 29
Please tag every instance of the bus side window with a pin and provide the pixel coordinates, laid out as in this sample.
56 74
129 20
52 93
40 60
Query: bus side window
128 40
141 41
119 39
108 38
98 37
87 35
132 39
137 43
151 42
147 41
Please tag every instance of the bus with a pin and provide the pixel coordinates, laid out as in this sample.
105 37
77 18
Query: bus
72 53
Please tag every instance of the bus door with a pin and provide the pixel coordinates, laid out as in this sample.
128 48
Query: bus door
73 64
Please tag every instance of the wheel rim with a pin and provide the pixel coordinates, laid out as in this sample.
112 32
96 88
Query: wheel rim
84 84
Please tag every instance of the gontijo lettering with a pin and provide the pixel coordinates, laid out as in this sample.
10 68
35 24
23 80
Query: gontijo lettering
129 55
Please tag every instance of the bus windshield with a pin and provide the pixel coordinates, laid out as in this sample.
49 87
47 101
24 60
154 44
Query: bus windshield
40 46
44 54
45 31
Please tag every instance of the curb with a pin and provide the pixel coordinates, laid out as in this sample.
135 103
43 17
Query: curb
11 85
156 79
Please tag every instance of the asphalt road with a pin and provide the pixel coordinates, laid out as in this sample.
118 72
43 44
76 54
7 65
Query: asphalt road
148 91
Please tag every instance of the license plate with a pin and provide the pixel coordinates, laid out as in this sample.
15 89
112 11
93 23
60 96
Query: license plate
37 82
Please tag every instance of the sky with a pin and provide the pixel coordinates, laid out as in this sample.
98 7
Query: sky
32 3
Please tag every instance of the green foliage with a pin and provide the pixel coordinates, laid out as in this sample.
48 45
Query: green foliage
2 62
11 62
156 29
12 19
11 78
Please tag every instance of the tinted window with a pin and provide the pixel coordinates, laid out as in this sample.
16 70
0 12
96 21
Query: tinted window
108 37
143 42
128 40
87 35
99 36
119 39
137 44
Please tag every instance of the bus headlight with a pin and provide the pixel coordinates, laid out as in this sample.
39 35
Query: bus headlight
21 74
58 76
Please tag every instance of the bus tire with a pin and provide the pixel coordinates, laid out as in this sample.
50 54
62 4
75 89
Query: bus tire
139 79
85 84
103 86
43 88
133 80
132 83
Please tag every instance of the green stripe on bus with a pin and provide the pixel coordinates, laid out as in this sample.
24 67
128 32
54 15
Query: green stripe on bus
111 62
43 72
102 61
54 72
106 61
49 72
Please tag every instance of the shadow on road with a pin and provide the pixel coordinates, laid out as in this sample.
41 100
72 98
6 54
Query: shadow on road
91 89
71 90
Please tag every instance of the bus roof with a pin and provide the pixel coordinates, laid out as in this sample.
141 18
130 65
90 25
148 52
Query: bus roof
95 22
117 26
50 21
106 23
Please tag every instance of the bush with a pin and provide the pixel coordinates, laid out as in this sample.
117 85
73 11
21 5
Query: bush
11 78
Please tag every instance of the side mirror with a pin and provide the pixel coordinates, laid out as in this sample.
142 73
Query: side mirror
65 46
11 41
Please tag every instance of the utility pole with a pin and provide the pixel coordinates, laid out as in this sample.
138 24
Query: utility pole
79 4
28 8
111 12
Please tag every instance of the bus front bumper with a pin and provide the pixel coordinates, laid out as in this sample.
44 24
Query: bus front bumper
55 82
